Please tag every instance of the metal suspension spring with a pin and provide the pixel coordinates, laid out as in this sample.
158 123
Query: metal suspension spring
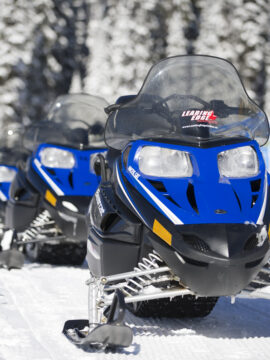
33 231
137 283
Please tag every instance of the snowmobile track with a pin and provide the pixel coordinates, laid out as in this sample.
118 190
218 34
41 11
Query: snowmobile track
36 301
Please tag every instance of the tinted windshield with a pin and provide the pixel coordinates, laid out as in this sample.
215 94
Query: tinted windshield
188 98
76 120
11 149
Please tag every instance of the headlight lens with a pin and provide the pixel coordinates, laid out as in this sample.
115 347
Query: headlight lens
238 163
163 162
52 157
6 174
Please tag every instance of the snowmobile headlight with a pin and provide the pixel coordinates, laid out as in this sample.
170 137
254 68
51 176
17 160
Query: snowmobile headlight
240 162
52 157
164 162
6 174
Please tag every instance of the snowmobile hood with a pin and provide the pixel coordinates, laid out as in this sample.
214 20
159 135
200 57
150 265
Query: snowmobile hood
205 196
191 99
78 180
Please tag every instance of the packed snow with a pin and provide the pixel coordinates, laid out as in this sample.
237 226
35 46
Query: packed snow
36 301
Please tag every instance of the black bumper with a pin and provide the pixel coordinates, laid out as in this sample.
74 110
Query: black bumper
214 259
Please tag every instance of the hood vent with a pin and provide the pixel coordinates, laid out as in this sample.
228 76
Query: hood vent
191 197
158 185
255 185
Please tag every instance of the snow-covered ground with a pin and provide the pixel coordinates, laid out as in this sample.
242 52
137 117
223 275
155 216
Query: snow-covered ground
35 302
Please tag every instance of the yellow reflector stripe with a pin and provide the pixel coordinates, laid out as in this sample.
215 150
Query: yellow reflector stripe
160 231
50 198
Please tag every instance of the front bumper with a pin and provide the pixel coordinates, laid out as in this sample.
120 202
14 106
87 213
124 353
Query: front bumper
215 259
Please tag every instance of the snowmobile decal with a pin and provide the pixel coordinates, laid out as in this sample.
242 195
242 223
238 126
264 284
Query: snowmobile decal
57 190
160 231
174 219
262 236
99 202
200 116
4 184
50 198
126 192
200 126
3 196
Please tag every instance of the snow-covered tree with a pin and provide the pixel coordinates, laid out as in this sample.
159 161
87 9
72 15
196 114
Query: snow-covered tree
237 30
183 27
17 23
42 44
106 47
59 50
125 38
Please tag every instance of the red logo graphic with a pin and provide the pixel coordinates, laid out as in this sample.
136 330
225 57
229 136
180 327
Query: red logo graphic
201 116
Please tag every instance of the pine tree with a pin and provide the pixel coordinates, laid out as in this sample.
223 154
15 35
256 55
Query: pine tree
125 39
183 26
15 54
42 44
237 30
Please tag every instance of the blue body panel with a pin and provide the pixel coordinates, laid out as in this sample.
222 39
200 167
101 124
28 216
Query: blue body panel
4 186
238 201
80 180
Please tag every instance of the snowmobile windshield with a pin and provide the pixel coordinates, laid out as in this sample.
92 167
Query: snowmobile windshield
11 135
191 99
11 149
75 120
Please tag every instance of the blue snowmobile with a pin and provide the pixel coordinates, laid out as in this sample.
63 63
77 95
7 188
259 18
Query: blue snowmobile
49 198
183 203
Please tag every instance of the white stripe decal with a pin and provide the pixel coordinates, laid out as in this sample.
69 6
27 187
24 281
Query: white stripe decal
57 190
163 207
2 196
260 218
124 191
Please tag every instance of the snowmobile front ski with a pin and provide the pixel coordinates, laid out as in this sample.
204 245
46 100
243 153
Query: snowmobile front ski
113 333
145 292
11 259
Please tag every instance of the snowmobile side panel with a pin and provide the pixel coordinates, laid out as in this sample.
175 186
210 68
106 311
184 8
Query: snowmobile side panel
22 191
112 218
2 209
23 203
106 256
73 224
